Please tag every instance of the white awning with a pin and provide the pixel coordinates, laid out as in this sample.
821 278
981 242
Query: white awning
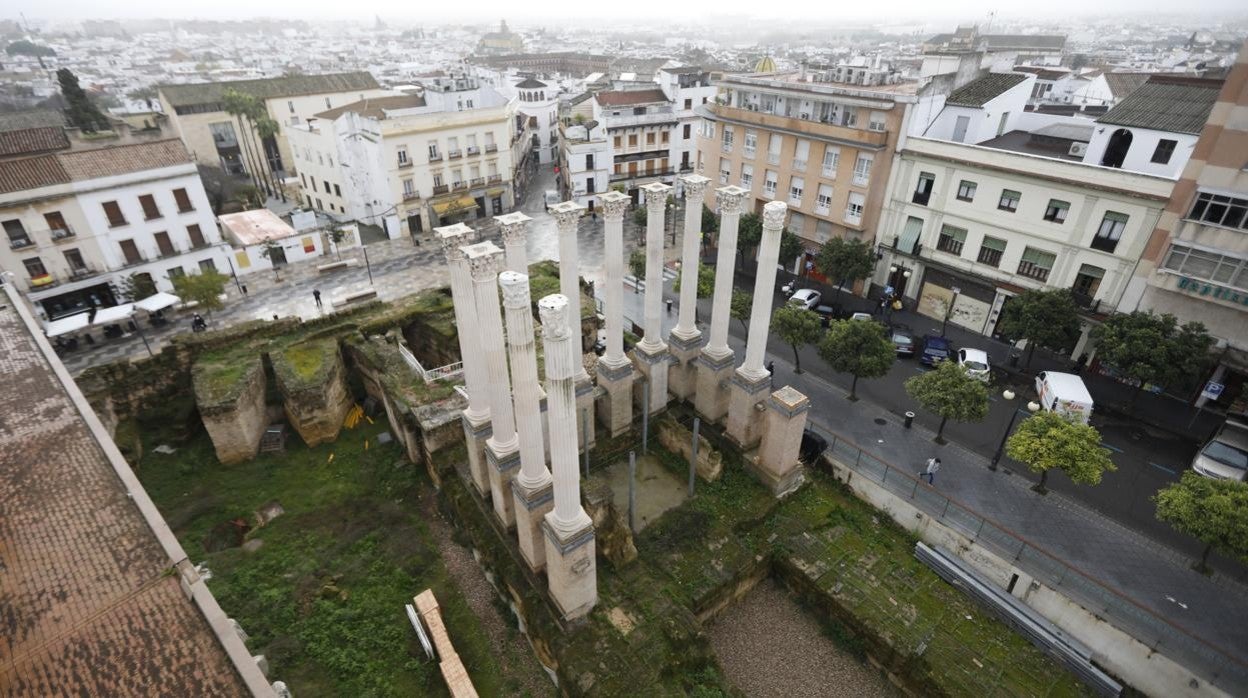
159 301
113 315
65 325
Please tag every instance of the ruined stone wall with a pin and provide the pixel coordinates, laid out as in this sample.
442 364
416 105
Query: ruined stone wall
233 413
316 401
676 438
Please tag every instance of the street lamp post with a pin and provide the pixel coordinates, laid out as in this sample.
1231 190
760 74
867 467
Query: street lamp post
1032 407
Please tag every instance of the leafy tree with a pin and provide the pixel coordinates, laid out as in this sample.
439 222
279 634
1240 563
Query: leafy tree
949 392
710 221
858 348
706 284
798 327
790 247
1215 512
79 110
136 287
640 216
1045 318
749 235
844 260
336 236
740 307
204 288
637 263
253 120
22 47
1048 440
270 252
1152 348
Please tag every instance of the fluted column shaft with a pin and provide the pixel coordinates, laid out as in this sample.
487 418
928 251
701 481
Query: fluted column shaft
764 284
568 516
514 228
476 378
525 387
613 206
567 218
725 266
656 201
695 194
485 260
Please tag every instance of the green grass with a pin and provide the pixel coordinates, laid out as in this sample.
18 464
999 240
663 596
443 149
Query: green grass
323 597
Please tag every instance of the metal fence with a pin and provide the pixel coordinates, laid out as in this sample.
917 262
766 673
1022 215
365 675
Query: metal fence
430 375
1217 665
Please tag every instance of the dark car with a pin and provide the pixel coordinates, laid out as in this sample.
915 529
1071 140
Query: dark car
826 314
813 446
903 342
935 349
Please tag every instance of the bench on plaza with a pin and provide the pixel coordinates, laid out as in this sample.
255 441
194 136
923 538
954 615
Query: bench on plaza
335 266
355 297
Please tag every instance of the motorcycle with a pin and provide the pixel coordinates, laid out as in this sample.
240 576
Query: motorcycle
198 324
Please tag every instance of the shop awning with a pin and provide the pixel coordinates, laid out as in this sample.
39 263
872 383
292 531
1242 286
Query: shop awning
159 301
113 315
456 205
66 325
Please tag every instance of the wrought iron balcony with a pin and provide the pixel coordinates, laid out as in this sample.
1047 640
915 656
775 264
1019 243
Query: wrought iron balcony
19 243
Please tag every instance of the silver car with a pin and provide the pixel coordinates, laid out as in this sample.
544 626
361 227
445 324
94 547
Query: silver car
1225 457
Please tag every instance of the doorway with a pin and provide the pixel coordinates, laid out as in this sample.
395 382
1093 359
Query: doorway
1116 151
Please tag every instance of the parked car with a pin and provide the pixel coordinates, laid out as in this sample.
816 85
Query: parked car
976 363
807 298
1225 457
826 314
552 198
862 316
935 348
903 342
813 446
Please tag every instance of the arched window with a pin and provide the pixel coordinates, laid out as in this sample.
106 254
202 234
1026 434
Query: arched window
1116 151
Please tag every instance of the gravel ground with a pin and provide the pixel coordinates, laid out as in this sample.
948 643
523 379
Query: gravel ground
515 657
769 647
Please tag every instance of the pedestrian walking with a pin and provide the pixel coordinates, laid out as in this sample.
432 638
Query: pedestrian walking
316 293
771 372
243 287
933 464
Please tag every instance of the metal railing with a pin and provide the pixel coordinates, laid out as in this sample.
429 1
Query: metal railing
1217 665
430 375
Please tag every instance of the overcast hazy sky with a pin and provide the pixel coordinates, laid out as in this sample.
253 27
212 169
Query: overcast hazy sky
792 11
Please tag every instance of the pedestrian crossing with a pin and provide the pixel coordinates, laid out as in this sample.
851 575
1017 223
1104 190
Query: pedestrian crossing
669 274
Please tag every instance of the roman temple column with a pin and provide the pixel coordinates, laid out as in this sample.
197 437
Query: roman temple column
567 219
515 229
615 370
501 450
531 490
752 382
686 339
714 365
569 532
476 418
651 352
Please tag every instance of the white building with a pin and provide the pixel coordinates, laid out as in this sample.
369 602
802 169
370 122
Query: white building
586 161
411 162
1022 201
79 221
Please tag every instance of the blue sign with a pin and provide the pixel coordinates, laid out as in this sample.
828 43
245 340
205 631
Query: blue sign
1212 391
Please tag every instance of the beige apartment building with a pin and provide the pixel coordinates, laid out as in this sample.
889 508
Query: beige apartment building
197 114
819 140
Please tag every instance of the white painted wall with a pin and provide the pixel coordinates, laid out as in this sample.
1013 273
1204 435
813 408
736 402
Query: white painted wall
1143 144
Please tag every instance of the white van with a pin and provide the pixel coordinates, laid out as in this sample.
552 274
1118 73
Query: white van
1064 393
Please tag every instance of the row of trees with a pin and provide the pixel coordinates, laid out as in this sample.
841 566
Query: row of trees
254 120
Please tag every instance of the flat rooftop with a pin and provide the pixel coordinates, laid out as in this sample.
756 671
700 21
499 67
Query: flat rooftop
255 226
91 578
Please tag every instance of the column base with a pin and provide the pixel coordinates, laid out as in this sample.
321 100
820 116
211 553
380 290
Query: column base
571 570
653 366
682 375
503 469
585 405
777 464
713 371
745 411
531 507
475 436
615 406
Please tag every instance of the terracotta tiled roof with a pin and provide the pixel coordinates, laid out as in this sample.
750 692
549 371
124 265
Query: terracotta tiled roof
90 603
627 97
32 140
268 88
80 165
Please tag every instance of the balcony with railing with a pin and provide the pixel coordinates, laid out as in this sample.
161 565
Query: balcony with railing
494 179
83 272
411 195
476 181
454 154
473 150
459 186
823 208
952 245
625 176
491 147
749 152
1086 301
19 243
989 256
404 163
435 157
813 127
726 146
663 115
799 165
769 190
440 189
773 158
59 234
1032 270
42 281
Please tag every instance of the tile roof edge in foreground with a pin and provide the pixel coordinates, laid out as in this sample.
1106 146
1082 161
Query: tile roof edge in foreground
192 584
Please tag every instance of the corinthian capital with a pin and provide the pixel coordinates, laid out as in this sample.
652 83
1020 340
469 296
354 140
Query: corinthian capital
566 214
553 310
774 213
730 199
513 226
695 186
452 237
485 260
515 289
614 204
656 194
